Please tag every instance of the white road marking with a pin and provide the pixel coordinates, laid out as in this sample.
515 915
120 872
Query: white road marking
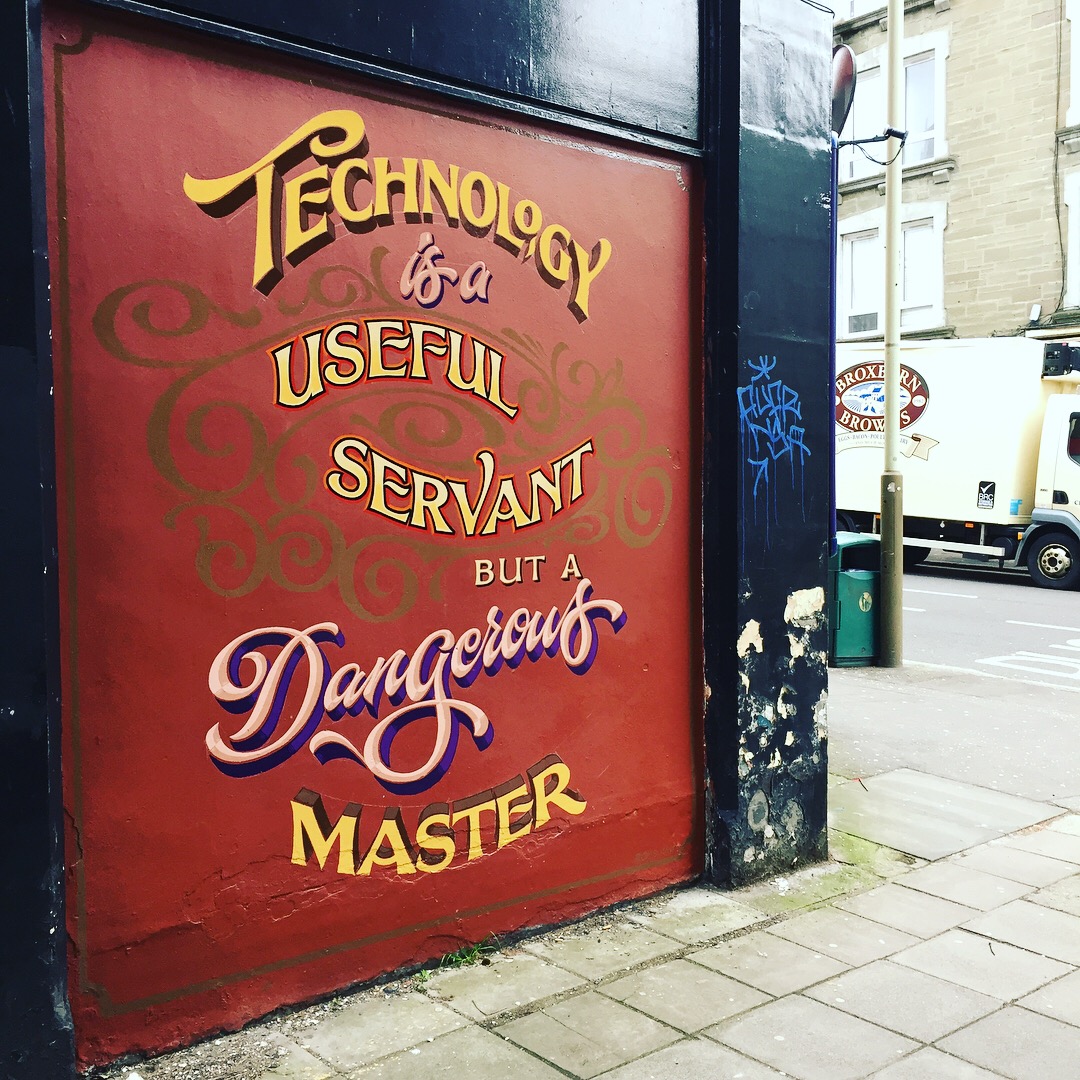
919 609
991 675
1037 663
1043 626
934 592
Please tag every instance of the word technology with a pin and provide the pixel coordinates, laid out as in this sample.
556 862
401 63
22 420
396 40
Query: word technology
417 685
472 200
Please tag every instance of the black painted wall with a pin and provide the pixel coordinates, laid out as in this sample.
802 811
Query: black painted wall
625 63
768 412
35 1025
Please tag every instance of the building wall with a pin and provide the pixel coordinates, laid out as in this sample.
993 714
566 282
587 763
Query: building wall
178 528
1006 96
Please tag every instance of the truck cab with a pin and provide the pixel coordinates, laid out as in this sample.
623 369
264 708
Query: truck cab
1051 544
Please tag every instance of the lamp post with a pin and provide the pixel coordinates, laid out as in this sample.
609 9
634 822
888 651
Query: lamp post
892 492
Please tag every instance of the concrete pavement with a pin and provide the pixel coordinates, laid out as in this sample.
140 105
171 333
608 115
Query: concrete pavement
941 942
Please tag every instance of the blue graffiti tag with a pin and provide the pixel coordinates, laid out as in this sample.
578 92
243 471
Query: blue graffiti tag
771 433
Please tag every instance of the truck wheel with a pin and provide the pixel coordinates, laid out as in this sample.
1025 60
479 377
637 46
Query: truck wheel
1054 561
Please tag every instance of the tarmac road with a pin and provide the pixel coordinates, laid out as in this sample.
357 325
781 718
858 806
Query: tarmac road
989 692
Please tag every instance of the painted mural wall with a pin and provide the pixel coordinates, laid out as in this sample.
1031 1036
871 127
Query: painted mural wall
376 461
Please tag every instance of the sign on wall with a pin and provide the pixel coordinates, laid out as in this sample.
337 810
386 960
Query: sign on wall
375 470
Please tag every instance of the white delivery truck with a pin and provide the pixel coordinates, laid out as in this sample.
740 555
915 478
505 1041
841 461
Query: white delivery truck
990 445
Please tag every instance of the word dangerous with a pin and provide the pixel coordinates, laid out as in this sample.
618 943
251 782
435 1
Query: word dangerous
301 680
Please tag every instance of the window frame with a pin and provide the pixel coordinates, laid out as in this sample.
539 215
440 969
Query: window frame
935 44
872 223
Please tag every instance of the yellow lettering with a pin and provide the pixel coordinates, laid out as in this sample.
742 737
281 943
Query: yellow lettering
479 219
387 475
470 810
507 507
342 187
504 236
312 834
587 267
342 350
528 221
445 190
512 800
284 392
553 255
422 346
573 459
221 196
378 342
435 839
560 795
470 512
424 506
354 487
388 182
309 189
390 847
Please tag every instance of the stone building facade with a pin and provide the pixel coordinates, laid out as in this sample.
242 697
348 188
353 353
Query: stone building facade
991 192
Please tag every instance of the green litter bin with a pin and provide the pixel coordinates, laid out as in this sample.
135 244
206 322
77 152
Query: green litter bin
854 579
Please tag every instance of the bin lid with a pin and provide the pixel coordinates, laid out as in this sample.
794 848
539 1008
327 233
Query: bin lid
856 551
854 539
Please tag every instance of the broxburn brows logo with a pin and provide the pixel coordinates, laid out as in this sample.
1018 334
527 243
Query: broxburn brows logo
860 397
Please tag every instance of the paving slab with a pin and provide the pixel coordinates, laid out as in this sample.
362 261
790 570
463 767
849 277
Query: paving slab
1059 999
1014 864
1063 895
1019 1044
508 982
694 1059
904 1000
1053 843
885 862
596 954
929 816
694 916
811 1041
928 1062
807 888
294 1062
1033 927
1000 970
469 1052
851 939
906 909
964 885
588 1034
687 996
376 1027
1067 823
769 963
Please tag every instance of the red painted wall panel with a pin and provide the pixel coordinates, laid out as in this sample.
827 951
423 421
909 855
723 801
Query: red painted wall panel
300 453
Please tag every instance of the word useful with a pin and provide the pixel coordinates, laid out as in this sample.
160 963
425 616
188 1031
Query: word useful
346 352
422 500
295 217
487 822
301 681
